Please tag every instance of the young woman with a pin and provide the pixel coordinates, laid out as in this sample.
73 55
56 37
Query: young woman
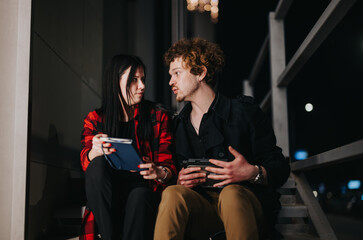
124 203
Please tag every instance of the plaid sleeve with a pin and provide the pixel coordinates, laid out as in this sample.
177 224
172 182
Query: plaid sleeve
164 153
88 132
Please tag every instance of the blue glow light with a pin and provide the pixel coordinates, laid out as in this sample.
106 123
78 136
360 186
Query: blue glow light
321 188
344 190
301 154
361 197
354 184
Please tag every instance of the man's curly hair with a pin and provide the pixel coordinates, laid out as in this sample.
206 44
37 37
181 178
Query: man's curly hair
196 53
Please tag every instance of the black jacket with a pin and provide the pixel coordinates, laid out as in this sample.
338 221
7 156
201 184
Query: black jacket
239 123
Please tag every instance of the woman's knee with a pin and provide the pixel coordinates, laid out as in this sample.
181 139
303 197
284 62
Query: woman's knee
141 195
97 171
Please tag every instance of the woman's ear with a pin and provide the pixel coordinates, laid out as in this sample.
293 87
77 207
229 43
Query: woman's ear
203 73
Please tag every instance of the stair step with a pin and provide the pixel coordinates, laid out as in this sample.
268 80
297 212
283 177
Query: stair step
68 221
299 237
76 191
294 228
69 212
290 183
286 191
294 211
63 238
288 200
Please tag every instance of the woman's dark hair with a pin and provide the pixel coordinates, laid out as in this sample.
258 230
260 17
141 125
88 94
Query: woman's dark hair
111 109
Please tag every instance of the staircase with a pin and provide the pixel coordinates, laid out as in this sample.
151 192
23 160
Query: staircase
301 217
67 219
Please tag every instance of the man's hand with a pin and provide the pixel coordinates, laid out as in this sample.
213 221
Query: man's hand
191 177
237 170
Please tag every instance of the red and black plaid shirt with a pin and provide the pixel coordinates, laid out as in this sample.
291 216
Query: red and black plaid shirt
160 155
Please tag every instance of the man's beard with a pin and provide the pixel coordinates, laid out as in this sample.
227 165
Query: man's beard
179 98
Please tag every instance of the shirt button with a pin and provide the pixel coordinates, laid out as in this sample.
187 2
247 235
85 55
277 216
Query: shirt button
220 154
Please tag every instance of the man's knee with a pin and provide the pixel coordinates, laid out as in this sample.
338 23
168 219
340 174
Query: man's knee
175 193
177 197
234 195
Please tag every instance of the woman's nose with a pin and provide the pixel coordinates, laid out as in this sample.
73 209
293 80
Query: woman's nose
141 84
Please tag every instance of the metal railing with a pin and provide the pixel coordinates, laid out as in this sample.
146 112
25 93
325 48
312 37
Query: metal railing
281 76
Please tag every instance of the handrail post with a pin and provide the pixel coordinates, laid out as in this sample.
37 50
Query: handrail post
247 88
279 98
317 216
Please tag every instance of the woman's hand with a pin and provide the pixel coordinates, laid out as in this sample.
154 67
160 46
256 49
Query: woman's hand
153 171
97 145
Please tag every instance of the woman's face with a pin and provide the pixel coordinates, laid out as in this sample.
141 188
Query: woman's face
137 86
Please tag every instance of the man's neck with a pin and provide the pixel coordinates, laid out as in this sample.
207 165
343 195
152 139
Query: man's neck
202 100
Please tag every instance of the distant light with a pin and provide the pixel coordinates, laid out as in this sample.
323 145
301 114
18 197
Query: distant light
361 197
354 184
214 9
321 188
301 154
344 190
207 7
315 193
309 107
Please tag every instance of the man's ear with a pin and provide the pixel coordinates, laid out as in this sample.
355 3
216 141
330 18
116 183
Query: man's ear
203 73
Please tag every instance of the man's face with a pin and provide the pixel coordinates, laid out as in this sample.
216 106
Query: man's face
182 82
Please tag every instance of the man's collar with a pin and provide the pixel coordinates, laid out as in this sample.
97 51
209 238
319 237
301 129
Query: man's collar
220 105
185 112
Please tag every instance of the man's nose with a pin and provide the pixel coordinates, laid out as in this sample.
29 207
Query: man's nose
171 81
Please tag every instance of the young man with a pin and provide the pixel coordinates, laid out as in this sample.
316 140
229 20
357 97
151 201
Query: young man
244 201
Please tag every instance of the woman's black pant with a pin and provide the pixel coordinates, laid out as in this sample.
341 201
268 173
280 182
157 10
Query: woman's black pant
123 203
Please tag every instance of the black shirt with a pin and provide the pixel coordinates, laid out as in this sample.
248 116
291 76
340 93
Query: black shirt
197 141
127 130
239 123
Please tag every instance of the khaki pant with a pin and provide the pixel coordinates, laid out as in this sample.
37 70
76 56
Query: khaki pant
185 214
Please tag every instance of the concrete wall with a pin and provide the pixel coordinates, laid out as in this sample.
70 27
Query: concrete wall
130 28
66 70
14 82
52 57
201 26
71 41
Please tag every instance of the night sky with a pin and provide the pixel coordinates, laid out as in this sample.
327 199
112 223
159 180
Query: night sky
332 80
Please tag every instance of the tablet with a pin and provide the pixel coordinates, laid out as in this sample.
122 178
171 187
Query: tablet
202 163
125 157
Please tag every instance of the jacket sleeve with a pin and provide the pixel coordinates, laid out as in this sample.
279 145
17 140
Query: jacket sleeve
165 151
264 149
88 132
